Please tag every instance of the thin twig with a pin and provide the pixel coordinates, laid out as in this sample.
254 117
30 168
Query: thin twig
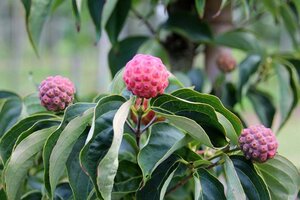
149 124
179 184
131 128
146 22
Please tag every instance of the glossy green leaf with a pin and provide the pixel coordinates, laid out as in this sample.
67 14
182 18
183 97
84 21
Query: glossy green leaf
71 112
100 136
108 166
164 139
117 85
246 69
288 90
22 159
37 12
63 192
230 132
200 6
95 9
234 186
229 95
79 181
190 126
32 104
117 17
281 177
203 114
128 149
128 178
32 195
254 186
76 4
174 84
64 145
213 101
10 110
212 188
8 140
263 106
123 51
198 193
155 48
189 26
239 39
152 189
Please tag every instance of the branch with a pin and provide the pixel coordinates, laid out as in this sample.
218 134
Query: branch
146 22
179 184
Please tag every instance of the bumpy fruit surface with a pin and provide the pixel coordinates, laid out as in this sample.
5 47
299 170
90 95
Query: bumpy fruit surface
148 113
146 76
258 143
56 93
226 62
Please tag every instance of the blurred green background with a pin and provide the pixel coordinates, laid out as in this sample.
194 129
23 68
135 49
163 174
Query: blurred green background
75 55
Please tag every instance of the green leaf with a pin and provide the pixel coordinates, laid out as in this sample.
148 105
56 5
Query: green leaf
263 106
32 195
239 39
117 85
108 9
190 126
272 7
128 149
10 110
32 104
288 90
230 132
117 17
212 188
71 112
189 26
174 84
8 140
76 4
201 113
100 136
281 177
63 192
155 48
108 166
64 145
164 139
246 69
234 187
79 181
200 6
95 9
253 184
213 101
22 159
37 12
128 178
121 52
290 22
153 188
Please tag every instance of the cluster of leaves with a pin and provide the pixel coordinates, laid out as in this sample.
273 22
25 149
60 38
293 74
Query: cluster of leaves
90 151
255 70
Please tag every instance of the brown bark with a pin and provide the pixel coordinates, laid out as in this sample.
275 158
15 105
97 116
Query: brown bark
220 22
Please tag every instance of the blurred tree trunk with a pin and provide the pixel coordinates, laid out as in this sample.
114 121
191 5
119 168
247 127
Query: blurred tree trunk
219 22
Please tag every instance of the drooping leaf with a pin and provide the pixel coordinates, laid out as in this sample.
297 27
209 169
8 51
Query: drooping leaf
71 112
95 9
253 184
212 188
8 140
76 4
108 166
234 186
79 181
213 101
152 189
22 159
37 13
10 110
121 52
239 39
288 90
189 26
290 22
64 144
263 106
117 17
281 177
200 6
246 69
164 139
100 136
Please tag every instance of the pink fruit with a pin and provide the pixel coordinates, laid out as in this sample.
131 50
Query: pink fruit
146 76
56 93
226 62
258 143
